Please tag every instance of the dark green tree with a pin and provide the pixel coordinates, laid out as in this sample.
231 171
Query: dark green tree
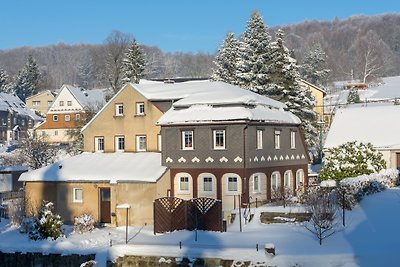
27 80
133 64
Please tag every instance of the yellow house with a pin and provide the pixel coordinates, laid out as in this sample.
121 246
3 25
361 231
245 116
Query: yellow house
318 93
41 102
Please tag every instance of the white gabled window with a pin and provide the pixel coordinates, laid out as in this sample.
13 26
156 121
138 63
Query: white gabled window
69 103
141 143
77 195
187 140
61 103
259 139
99 144
119 109
184 184
119 143
140 108
232 184
292 139
219 139
277 139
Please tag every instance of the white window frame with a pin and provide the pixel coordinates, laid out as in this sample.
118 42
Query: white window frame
275 181
69 103
259 139
61 103
299 178
229 181
256 181
119 109
183 135
56 133
36 103
75 195
140 111
49 103
216 133
292 139
287 179
277 139
55 117
180 184
117 143
97 141
78 117
159 142
203 184
139 140
67 117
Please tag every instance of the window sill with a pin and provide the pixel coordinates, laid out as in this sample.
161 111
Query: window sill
77 202
183 192
139 115
119 116
232 193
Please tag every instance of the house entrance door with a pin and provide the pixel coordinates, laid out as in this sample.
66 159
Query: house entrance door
105 205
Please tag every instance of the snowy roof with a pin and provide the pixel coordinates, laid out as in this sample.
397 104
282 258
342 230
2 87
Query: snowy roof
375 123
105 167
12 103
4 169
88 98
225 102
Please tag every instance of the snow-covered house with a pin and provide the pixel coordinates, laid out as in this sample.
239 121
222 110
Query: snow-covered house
9 176
68 111
318 93
97 183
16 119
41 102
376 123
217 140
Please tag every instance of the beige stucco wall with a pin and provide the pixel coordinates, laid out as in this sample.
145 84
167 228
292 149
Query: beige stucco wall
319 100
108 125
55 135
43 97
140 196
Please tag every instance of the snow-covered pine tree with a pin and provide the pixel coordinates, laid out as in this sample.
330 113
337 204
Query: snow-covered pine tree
4 84
254 54
48 223
314 68
285 87
353 96
225 60
27 80
133 63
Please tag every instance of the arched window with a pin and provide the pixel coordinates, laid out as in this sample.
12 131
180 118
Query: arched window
183 182
207 183
275 181
299 178
287 180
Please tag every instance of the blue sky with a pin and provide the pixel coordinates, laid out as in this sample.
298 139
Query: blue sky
172 25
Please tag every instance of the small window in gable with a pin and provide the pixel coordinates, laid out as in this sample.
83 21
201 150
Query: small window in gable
119 109
140 108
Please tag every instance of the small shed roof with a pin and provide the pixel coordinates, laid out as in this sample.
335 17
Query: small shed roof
104 167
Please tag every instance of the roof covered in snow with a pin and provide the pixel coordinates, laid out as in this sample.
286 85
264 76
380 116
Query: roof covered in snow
374 123
12 103
104 167
88 98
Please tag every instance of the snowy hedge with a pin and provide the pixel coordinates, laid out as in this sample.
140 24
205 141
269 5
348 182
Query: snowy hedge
84 223
355 188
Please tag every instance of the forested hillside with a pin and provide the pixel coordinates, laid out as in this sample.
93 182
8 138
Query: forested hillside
355 47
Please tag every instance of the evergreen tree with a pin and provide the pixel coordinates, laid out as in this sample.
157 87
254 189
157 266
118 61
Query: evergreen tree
314 68
285 87
225 60
27 80
133 63
254 54
4 84
353 96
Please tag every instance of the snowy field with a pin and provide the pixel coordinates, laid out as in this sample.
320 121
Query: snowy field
370 238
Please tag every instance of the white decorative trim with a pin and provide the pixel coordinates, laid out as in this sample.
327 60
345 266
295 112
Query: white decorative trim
297 157
182 159
262 158
281 157
269 158
196 159
223 159
209 159
249 159
238 159
255 159
167 160
287 157
292 157
275 157
302 156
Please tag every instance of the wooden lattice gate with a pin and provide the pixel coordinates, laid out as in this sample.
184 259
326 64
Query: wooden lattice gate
171 213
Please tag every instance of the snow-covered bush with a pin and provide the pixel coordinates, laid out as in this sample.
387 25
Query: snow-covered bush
84 223
28 225
47 225
350 160
355 188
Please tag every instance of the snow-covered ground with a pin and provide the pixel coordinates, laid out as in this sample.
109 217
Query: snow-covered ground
370 238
